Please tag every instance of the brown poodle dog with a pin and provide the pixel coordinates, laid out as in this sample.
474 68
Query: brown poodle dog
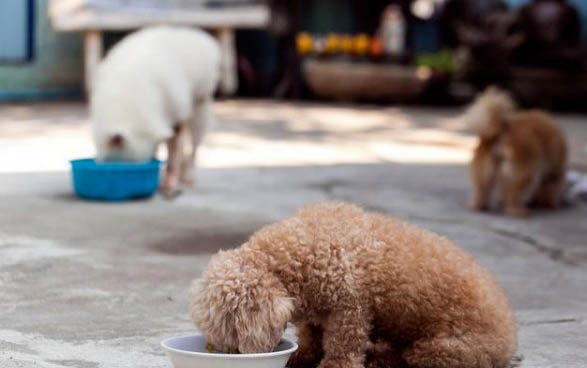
358 286
522 154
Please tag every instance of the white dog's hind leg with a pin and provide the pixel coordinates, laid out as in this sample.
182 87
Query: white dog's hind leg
198 125
174 163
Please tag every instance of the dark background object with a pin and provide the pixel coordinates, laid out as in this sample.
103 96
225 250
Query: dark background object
552 35
525 46
17 31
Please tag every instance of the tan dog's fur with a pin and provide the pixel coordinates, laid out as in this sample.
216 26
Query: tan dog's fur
521 154
358 286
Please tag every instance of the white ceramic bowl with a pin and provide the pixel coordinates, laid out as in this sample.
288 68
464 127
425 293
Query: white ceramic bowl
190 352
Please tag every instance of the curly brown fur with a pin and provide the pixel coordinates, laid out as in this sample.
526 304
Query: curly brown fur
521 155
356 285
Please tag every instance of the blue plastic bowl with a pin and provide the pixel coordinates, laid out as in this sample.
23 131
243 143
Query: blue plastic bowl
114 181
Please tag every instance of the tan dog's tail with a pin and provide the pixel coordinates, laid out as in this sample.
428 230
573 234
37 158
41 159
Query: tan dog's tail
489 116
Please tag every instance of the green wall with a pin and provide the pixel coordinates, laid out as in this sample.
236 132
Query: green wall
56 69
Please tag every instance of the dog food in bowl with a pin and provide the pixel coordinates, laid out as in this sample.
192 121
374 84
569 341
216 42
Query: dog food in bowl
192 351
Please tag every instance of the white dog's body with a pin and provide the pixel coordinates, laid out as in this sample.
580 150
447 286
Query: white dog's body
151 87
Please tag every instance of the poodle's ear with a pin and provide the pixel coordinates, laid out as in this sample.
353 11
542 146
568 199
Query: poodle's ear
490 113
201 307
197 297
282 310
260 328
213 295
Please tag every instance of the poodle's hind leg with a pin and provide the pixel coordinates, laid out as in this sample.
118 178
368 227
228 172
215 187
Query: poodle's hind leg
483 171
551 190
518 186
466 351
310 351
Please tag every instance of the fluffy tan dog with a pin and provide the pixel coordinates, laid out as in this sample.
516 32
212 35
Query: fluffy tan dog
521 155
357 285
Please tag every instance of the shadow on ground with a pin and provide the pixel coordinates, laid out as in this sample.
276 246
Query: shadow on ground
231 203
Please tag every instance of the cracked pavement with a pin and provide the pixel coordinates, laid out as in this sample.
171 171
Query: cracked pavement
89 284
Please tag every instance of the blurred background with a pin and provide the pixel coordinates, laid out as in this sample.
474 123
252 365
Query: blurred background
409 51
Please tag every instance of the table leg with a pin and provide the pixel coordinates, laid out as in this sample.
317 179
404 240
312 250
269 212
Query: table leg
93 54
229 68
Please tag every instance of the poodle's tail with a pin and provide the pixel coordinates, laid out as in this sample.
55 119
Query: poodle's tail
490 115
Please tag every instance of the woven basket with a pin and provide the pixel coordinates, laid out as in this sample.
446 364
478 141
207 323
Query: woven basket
349 80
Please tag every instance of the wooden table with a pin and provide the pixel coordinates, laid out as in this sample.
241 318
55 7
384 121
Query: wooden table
222 21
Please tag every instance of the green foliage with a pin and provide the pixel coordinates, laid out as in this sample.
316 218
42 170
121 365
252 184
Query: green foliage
441 62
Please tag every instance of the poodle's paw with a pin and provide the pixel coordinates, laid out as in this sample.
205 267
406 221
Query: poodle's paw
549 201
476 204
516 211
303 359
341 363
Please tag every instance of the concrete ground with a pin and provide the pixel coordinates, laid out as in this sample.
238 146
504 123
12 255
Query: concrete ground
89 284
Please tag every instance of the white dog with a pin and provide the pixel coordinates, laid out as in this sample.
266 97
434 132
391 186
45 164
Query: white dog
153 86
